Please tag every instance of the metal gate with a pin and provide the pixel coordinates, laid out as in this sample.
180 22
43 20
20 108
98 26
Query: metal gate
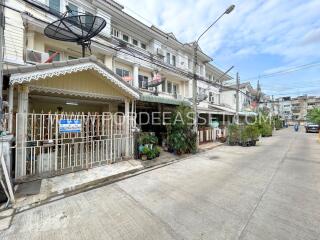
43 150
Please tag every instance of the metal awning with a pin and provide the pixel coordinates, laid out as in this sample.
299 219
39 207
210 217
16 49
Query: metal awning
248 114
165 100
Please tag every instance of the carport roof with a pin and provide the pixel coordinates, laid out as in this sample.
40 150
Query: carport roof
23 74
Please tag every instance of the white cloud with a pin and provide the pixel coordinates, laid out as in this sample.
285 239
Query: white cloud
255 26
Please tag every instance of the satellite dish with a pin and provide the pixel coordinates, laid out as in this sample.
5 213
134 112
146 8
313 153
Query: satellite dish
77 28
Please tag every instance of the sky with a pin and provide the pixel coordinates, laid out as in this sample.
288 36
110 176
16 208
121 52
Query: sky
259 37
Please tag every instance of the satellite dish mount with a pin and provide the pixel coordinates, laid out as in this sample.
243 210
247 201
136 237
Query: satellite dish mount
76 27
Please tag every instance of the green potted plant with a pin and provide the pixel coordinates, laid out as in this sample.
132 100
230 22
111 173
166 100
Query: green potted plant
249 135
233 137
145 153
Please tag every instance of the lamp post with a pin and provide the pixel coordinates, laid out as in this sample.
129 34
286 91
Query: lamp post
195 62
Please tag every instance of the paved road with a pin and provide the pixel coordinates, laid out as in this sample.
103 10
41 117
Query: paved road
269 192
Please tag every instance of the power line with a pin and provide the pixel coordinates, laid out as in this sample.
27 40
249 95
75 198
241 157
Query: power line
285 71
151 60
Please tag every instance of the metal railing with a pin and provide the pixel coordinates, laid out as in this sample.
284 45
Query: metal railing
43 150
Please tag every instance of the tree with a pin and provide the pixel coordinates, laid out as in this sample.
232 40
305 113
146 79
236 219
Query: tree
314 115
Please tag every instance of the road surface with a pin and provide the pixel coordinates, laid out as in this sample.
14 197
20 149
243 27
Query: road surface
269 192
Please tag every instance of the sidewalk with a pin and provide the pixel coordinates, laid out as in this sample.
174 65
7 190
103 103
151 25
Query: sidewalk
34 193
31 194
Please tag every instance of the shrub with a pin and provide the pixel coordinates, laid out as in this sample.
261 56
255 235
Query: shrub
181 137
147 138
249 133
233 134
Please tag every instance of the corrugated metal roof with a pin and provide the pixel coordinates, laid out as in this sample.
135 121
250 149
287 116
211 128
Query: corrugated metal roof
165 100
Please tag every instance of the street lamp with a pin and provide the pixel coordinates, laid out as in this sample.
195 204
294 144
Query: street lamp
195 62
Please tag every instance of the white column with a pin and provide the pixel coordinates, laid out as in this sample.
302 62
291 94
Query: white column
127 126
190 90
136 75
21 131
10 102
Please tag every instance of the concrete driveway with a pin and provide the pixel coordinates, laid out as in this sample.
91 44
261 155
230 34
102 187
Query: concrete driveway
271 191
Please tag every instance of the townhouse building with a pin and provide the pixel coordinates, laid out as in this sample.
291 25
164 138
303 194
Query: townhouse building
247 98
113 77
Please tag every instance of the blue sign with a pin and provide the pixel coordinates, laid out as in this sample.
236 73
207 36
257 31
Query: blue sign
69 126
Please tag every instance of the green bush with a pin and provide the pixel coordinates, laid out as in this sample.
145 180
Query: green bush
181 138
233 134
147 138
249 133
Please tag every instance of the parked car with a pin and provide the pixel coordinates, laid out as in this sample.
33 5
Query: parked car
312 127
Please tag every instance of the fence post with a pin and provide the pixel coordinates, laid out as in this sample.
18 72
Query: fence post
21 130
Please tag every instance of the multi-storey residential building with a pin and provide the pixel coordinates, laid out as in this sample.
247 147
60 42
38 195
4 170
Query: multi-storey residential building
128 55
295 109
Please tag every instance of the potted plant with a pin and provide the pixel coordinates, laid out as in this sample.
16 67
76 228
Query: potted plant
145 153
249 135
233 137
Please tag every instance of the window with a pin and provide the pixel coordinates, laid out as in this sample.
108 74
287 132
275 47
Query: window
144 46
189 64
211 97
89 20
125 37
168 58
54 5
163 86
73 8
175 89
169 87
134 42
56 58
122 72
143 82
201 70
173 60
115 32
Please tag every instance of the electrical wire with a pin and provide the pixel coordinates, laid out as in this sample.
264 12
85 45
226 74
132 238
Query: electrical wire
153 61
285 71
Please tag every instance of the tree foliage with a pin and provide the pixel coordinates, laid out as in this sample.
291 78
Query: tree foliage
314 115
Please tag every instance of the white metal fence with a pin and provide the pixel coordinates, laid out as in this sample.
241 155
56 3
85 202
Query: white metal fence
43 150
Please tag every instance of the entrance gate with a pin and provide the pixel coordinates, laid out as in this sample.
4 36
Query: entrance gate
44 149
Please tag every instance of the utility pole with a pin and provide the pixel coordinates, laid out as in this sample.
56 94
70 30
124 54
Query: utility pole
194 91
237 98
194 80
1 56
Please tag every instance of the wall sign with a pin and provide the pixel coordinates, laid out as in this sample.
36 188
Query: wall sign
69 126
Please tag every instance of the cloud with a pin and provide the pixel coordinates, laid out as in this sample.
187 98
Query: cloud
288 31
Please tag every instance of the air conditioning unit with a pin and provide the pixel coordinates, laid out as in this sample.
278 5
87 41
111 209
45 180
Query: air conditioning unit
33 56
160 52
